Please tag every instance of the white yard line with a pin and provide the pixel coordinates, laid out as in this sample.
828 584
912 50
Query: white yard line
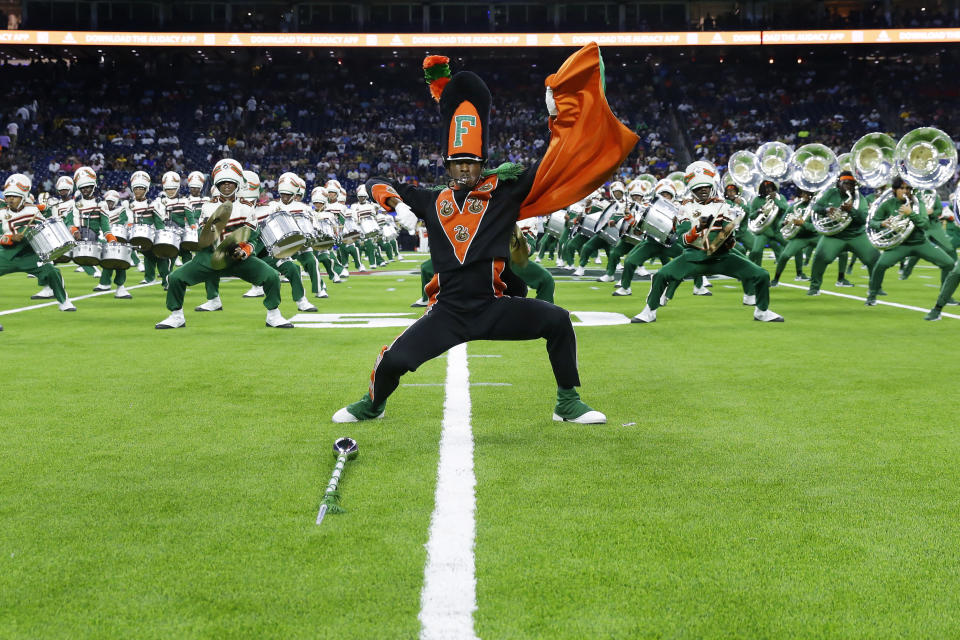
879 302
89 295
449 595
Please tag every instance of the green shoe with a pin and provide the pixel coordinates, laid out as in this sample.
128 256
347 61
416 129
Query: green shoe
362 409
571 409
933 315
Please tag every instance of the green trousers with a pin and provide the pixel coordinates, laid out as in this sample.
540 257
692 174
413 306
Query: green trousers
949 286
573 245
648 250
592 247
290 270
619 250
794 249
119 277
308 261
330 262
537 278
26 261
153 264
828 248
926 251
937 236
370 248
693 263
253 270
348 251
548 245
760 241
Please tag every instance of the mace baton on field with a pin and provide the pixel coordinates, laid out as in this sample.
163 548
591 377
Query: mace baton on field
343 449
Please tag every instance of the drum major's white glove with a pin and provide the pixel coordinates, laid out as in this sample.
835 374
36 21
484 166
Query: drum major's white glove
551 103
406 217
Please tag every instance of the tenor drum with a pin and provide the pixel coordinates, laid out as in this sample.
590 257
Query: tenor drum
281 235
369 227
166 242
389 232
658 222
306 227
116 255
588 227
87 254
190 239
141 236
325 235
556 224
610 234
121 232
351 230
49 239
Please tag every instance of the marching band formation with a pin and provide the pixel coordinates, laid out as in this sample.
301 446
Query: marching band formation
879 204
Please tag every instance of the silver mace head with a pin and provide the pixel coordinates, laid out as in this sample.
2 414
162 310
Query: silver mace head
346 447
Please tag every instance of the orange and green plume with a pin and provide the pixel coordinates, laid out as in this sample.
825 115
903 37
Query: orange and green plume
436 71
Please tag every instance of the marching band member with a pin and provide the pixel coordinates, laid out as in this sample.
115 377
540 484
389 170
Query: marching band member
806 237
592 247
575 240
328 258
175 208
708 249
57 207
226 251
475 215
843 197
115 213
348 248
307 258
143 211
635 205
768 191
936 232
16 254
548 245
893 211
364 208
84 216
650 249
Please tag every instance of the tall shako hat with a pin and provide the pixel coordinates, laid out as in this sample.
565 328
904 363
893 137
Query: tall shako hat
464 109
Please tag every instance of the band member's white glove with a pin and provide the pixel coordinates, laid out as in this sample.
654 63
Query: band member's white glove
551 103
406 217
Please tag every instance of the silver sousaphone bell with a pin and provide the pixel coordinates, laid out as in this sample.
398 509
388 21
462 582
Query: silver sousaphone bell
872 159
814 168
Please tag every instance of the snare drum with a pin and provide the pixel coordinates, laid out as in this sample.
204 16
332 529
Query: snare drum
610 234
306 228
87 254
166 242
351 230
325 235
190 239
121 232
556 224
50 239
588 227
281 235
658 222
389 232
141 236
369 227
116 255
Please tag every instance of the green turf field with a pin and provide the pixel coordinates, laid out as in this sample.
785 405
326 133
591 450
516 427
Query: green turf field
754 480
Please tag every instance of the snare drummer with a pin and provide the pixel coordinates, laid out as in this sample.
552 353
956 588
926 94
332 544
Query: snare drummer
348 248
115 213
58 207
16 254
176 209
83 218
240 222
328 258
143 211
598 241
362 209
307 258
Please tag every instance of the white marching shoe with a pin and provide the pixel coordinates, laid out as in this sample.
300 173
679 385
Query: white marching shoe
767 316
749 301
66 305
537 259
590 417
560 263
706 282
97 273
175 321
140 267
645 316
701 291
422 302
122 293
304 305
664 299
335 278
102 287
44 294
344 275
620 291
254 292
605 278
597 260
277 321
323 293
80 270
213 304
642 271
579 271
